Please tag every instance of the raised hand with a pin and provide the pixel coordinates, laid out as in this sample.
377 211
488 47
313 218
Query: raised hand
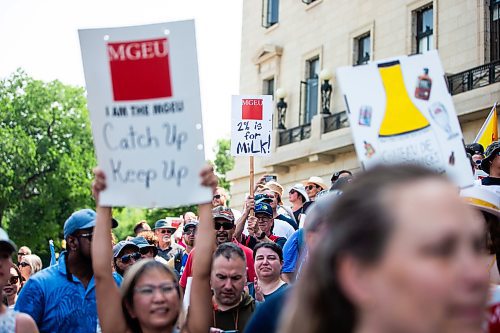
99 183
259 295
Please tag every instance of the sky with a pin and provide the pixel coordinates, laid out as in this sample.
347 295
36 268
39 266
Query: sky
41 37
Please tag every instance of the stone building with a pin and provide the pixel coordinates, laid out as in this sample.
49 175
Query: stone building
289 49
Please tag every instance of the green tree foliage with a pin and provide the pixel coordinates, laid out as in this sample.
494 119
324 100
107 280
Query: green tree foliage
46 158
224 162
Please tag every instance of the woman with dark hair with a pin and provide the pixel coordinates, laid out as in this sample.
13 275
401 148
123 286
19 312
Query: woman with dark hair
13 286
400 252
268 260
150 299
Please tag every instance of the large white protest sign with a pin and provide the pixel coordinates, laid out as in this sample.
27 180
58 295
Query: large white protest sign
400 111
144 101
251 125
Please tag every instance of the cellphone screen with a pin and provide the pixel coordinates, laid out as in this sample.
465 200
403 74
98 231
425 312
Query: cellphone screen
269 178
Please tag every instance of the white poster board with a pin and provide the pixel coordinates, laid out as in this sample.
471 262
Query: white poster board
144 102
400 111
251 125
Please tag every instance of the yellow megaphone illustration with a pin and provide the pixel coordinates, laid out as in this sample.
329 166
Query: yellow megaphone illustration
401 115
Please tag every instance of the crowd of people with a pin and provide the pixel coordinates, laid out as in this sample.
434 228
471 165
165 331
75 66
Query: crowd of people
393 249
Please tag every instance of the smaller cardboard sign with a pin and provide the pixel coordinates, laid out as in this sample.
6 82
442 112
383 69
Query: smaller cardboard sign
251 125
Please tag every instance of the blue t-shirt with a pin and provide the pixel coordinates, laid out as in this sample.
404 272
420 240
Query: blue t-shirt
291 252
57 304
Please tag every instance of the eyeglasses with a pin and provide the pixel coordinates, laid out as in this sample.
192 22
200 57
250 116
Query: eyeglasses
149 290
87 236
224 225
217 196
128 257
14 279
310 187
190 232
166 231
23 264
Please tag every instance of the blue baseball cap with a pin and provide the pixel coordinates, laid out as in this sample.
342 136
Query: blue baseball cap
263 208
118 248
81 219
261 197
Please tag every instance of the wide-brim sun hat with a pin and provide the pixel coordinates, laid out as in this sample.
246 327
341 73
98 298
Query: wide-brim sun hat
276 188
484 199
164 224
300 189
315 180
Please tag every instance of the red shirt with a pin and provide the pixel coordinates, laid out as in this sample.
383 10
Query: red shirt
188 270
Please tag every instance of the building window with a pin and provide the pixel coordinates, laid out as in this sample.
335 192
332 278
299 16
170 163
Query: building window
362 47
270 11
495 30
268 87
309 89
425 29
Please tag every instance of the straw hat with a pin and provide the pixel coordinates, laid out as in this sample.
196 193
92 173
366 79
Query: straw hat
276 188
484 199
315 180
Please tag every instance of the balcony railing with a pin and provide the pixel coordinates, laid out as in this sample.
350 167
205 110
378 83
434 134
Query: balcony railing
295 134
473 78
335 121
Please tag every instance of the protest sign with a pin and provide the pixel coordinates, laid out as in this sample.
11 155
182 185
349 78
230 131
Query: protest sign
144 102
400 111
251 125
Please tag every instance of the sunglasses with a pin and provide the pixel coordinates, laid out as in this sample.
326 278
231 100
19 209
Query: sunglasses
22 254
14 279
128 257
23 264
224 225
310 187
292 192
166 231
87 236
217 196
190 232
478 162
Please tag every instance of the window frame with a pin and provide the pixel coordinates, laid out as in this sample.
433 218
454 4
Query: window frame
267 6
421 35
311 93
494 43
359 45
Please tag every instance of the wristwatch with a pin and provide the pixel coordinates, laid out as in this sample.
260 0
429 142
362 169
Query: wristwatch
261 236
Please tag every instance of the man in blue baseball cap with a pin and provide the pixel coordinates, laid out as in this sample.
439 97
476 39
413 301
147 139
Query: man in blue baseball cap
61 298
260 227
